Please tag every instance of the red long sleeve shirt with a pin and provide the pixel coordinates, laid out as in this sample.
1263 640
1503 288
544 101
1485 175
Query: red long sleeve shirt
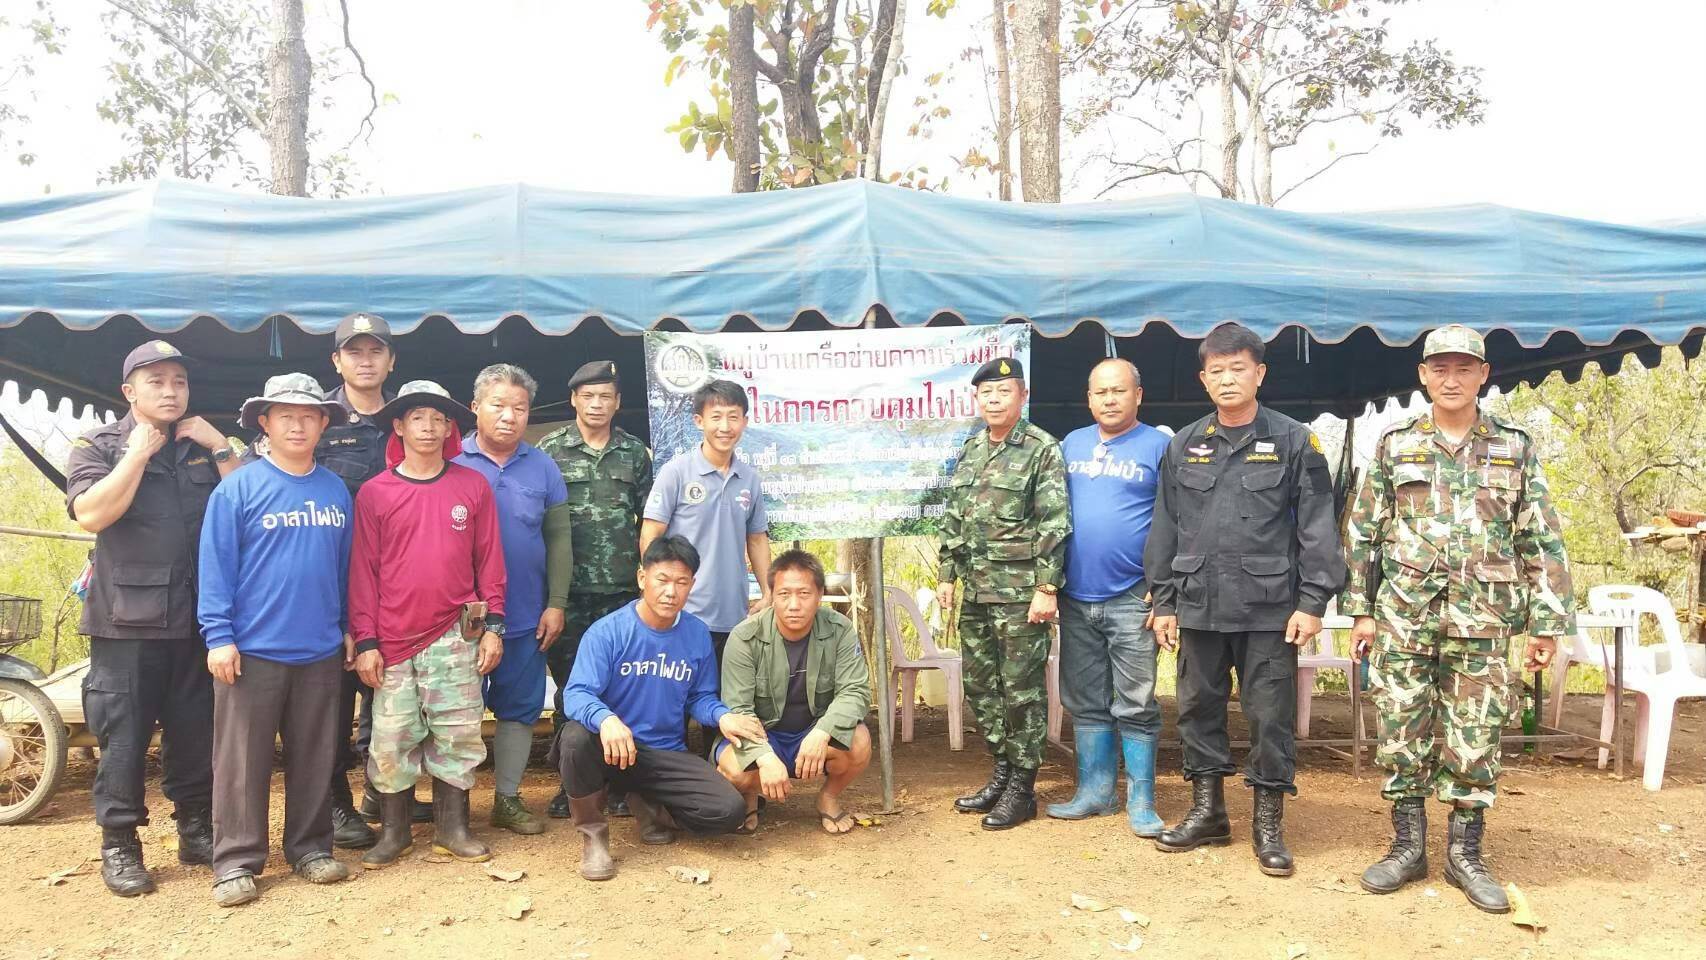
422 548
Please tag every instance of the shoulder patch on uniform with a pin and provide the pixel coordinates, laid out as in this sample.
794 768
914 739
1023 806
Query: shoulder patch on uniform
82 442
1314 441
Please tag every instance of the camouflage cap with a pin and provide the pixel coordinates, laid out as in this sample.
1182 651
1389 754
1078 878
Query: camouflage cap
293 388
154 351
1455 338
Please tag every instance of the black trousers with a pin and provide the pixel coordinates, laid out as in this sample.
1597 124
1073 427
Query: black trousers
292 703
348 753
130 686
695 794
1267 688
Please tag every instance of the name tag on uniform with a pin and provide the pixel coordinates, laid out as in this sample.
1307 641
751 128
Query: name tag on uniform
198 461
1501 461
1411 458
343 441
1262 458
1199 459
1264 446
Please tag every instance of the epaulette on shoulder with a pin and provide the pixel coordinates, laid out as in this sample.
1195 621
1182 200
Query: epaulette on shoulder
1505 423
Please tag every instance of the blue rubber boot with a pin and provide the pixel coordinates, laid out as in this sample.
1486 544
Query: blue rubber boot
1140 784
1098 768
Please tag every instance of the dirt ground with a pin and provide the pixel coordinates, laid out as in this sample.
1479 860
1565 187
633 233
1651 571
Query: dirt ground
1612 870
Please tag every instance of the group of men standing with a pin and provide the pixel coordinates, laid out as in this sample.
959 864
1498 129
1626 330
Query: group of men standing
418 555
1222 544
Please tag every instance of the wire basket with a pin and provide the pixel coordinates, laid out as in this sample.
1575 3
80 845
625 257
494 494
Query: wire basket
20 620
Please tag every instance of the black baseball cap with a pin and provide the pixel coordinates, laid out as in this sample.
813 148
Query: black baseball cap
154 351
361 325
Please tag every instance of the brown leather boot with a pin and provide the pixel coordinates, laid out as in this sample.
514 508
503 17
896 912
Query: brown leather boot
450 825
588 815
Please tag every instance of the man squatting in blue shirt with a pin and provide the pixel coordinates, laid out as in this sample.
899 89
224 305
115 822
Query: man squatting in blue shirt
274 566
1107 651
637 670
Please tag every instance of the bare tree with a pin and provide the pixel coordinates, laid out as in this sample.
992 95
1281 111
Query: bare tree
1004 105
888 43
287 115
1036 43
743 100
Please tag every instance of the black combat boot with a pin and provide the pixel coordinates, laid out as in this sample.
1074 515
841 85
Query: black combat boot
1463 867
983 801
395 838
195 835
122 869
1408 858
657 826
450 825
559 808
1267 833
1018 802
1205 822
349 831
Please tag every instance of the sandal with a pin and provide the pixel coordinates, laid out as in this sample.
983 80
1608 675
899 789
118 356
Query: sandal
749 826
832 824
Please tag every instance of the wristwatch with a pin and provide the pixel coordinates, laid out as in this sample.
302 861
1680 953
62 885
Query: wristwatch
232 448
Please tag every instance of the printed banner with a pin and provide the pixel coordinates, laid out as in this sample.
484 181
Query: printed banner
855 431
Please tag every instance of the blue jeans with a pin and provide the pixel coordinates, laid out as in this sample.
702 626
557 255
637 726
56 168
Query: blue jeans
1107 662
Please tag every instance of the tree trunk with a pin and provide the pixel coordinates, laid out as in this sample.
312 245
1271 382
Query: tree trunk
287 116
1036 41
1004 105
888 53
1231 138
743 99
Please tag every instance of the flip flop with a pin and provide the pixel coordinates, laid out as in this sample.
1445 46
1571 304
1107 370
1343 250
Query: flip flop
831 823
749 826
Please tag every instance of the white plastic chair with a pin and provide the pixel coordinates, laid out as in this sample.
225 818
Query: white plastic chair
1658 675
1576 648
906 668
1319 654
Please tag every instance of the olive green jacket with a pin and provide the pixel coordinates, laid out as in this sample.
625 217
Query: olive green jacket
755 676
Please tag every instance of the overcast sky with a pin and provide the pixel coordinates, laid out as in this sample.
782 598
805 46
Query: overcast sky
1595 109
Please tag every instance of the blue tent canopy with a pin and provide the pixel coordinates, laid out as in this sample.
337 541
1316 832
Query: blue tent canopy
477 275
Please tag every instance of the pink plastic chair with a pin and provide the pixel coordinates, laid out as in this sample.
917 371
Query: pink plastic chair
1319 654
906 668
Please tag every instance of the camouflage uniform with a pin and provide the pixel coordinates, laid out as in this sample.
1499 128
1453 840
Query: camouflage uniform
1454 548
1004 533
607 489
426 713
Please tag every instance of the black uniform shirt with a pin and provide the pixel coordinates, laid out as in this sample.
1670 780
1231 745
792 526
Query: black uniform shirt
145 562
1244 532
355 448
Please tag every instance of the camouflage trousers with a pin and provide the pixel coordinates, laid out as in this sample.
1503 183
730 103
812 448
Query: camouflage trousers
426 715
1006 662
1418 676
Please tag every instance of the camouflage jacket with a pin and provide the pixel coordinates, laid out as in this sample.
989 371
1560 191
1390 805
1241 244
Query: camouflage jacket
607 489
1007 519
1474 521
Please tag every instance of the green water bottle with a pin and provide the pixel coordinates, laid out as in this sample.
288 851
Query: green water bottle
1530 722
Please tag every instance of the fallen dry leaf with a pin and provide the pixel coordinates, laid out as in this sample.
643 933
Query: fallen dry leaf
868 821
433 858
1132 916
1295 950
1522 913
777 947
690 874
1130 946
1088 904
517 906
507 876
58 877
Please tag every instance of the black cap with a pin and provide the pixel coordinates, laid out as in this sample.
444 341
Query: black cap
598 371
361 325
1002 368
153 351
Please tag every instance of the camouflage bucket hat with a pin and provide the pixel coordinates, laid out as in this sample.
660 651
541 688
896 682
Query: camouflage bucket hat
293 388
